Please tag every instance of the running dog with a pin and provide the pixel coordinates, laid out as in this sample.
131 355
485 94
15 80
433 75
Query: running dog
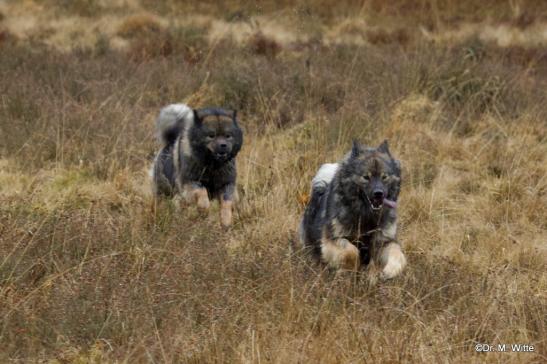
197 156
351 217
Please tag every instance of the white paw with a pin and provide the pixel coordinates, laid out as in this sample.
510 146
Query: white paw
394 261
391 270
203 203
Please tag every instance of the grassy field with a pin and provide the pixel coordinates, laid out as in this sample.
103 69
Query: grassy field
92 271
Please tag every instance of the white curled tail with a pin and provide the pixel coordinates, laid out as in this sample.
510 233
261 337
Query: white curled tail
171 120
324 175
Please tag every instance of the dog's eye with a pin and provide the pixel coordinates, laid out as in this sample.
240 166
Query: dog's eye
211 135
366 177
228 136
384 177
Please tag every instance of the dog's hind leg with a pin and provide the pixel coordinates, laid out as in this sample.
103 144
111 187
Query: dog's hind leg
340 253
392 261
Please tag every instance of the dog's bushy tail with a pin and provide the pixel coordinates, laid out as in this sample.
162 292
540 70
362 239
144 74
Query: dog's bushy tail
323 177
319 185
171 120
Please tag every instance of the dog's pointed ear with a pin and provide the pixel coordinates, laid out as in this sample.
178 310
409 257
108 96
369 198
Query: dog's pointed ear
355 149
197 118
397 167
384 148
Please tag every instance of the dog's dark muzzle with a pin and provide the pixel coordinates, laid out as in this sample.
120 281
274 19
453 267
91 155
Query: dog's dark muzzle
221 156
222 151
377 198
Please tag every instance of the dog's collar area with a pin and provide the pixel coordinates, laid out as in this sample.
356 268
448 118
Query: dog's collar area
370 232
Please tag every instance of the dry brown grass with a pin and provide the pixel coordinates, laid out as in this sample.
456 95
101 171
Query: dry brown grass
260 44
139 25
91 271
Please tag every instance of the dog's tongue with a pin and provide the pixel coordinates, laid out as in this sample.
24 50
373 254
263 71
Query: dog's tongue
390 203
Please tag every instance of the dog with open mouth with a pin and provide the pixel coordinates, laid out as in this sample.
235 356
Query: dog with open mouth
351 217
197 156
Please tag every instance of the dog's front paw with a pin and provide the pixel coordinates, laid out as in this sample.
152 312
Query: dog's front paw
349 259
203 203
340 254
226 213
393 260
391 271
202 199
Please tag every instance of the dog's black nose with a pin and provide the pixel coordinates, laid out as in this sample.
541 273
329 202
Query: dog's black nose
223 145
378 194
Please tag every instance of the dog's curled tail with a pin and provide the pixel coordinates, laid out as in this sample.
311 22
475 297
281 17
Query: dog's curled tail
324 177
171 120
319 185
